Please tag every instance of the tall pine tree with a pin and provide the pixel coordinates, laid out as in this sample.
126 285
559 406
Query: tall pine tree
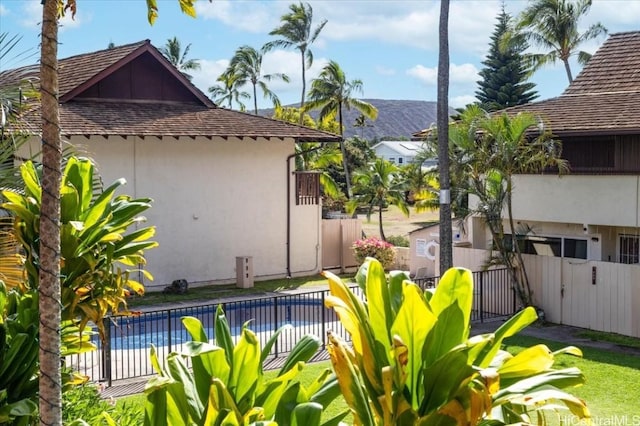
505 73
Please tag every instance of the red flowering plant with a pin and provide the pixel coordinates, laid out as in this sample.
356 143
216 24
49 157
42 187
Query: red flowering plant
376 248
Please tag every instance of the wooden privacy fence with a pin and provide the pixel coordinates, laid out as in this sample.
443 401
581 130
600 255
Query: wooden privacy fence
338 235
590 294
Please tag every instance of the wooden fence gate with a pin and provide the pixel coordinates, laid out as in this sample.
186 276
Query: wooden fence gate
338 235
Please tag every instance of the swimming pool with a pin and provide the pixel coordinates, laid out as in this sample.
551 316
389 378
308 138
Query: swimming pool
164 328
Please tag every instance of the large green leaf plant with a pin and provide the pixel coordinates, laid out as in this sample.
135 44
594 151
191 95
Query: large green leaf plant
101 242
19 346
412 361
227 385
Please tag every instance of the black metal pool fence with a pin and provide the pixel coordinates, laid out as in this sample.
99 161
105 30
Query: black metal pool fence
125 354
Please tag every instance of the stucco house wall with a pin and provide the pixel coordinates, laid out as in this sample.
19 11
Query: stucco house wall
219 178
213 200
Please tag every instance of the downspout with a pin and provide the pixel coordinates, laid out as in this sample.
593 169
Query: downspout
288 244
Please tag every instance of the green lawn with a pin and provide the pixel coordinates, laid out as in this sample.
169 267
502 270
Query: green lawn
612 386
213 292
612 389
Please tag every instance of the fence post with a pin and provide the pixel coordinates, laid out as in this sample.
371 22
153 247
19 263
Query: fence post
106 351
482 296
323 319
169 334
275 321
515 301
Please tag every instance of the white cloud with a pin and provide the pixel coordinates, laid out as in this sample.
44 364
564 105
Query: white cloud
3 10
288 62
461 101
465 73
458 74
426 75
208 73
410 23
622 14
253 16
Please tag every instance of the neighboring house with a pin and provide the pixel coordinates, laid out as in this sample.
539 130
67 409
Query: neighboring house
400 152
221 180
594 211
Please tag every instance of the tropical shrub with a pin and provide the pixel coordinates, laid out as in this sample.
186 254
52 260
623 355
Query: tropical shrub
226 384
412 361
376 248
19 349
96 244
83 405
398 241
18 356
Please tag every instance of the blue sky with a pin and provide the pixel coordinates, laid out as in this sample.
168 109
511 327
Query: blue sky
391 45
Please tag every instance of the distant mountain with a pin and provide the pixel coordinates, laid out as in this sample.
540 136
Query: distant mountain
397 119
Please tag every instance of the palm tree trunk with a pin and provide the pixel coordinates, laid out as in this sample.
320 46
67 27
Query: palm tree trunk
345 165
255 99
567 68
50 389
382 237
446 250
304 87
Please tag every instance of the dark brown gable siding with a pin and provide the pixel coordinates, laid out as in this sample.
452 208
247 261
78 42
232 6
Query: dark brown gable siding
628 153
141 79
602 154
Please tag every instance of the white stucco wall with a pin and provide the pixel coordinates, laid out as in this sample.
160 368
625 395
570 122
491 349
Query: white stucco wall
593 200
213 200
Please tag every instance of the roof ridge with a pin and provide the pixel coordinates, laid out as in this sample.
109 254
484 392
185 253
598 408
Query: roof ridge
611 92
625 33
112 49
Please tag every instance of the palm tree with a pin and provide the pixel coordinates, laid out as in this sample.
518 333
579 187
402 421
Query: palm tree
296 31
174 54
246 67
446 250
377 185
228 91
331 92
497 148
553 25
50 387
49 280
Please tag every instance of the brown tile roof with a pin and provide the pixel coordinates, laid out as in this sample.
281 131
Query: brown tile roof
615 67
144 119
604 98
126 118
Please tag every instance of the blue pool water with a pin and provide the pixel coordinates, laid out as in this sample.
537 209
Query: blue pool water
164 328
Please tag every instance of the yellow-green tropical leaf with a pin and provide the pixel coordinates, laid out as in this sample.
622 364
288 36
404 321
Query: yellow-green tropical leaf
246 365
412 324
378 303
512 326
195 329
530 361
350 384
